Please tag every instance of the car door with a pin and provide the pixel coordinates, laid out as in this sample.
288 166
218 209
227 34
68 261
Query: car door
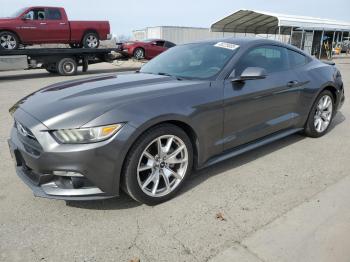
155 48
256 108
57 27
33 27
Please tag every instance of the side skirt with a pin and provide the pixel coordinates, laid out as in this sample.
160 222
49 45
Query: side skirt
250 146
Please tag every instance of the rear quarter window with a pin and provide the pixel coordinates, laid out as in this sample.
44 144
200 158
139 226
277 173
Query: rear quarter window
296 59
169 44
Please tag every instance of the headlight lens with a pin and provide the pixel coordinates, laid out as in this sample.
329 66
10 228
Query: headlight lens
86 135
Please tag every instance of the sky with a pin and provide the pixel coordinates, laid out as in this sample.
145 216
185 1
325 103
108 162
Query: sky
126 16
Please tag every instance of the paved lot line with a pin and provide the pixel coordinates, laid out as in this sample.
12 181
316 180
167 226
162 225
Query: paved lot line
317 230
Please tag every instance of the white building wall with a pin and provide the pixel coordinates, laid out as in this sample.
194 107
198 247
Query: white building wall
179 35
139 35
154 32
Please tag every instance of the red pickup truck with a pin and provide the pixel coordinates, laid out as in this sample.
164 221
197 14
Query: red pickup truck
50 25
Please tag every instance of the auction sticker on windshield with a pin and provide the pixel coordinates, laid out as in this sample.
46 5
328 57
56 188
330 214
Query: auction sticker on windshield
226 45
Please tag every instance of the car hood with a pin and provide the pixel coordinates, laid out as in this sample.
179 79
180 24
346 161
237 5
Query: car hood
72 104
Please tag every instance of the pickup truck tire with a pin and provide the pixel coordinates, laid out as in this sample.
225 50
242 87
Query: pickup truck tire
67 67
91 40
8 40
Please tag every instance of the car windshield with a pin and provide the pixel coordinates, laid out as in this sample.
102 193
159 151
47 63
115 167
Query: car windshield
17 13
192 61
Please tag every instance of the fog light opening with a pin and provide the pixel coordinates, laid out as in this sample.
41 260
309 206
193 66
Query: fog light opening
78 182
67 174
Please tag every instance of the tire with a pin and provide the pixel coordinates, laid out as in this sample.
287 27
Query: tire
8 41
85 65
320 116
67 67
91 40
52 69
137 170
139 53
74 46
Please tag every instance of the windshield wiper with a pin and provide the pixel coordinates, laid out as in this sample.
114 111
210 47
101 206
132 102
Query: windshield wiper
167 74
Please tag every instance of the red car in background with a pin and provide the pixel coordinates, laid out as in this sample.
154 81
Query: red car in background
50 25
146 49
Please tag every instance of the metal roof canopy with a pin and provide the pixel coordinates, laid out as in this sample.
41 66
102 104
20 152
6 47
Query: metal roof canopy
257 22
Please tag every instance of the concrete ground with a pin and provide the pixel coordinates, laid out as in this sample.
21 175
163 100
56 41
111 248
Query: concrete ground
287 201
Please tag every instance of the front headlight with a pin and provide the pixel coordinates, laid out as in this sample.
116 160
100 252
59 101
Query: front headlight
86 135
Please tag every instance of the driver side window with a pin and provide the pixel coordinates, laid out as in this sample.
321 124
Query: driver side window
36 14
271 58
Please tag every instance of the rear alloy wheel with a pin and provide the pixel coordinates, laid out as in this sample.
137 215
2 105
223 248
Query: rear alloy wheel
139 53
321 115
91 40
158 165
8 41
67 67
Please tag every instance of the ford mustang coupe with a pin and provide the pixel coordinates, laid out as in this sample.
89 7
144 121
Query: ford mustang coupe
192 106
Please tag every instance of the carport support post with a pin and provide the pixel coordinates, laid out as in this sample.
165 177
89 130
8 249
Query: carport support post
321 43
302 39
291 35
332 44
279 33
342 35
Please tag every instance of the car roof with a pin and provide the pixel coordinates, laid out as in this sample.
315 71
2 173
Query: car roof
44 7
252 41
244 41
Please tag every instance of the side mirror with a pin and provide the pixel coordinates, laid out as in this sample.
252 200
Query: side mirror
251 73
154 43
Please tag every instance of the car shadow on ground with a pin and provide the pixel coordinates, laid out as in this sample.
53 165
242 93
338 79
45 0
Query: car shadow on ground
28 76
200 176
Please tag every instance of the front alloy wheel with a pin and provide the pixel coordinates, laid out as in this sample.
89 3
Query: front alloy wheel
162 165
158 164
139 54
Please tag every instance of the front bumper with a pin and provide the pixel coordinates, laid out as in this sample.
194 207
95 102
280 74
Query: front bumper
37 159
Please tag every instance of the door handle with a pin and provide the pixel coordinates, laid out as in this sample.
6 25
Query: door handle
292 83
43 23
62 23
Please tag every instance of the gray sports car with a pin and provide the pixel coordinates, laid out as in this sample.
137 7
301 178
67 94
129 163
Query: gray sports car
191 107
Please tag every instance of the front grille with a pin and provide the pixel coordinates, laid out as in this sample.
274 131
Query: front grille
24 131
30 143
